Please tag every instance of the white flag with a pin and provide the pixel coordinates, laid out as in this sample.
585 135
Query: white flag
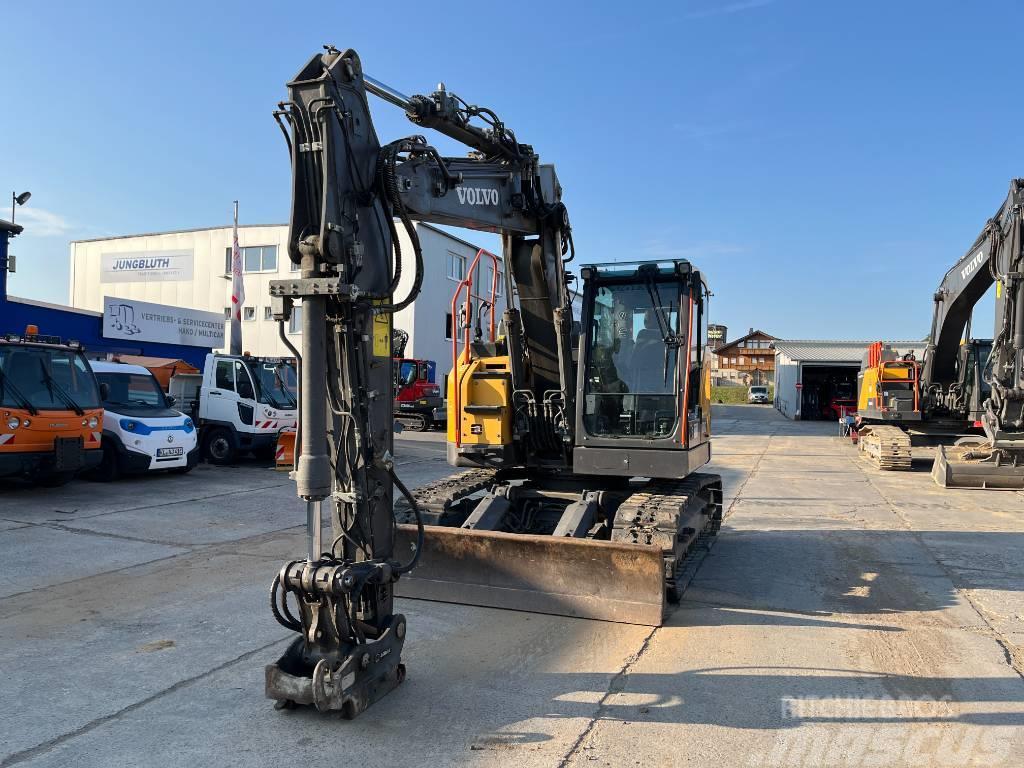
237 291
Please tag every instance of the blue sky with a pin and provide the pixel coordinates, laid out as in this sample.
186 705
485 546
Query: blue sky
824 163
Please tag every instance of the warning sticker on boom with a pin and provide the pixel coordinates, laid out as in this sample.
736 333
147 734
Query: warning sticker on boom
381 335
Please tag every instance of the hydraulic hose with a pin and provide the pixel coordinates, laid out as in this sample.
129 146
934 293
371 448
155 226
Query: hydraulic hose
400 569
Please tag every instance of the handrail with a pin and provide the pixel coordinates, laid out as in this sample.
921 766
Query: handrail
467 284
686 381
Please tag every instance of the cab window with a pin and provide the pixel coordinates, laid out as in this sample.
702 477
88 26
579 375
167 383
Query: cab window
243 384
225 375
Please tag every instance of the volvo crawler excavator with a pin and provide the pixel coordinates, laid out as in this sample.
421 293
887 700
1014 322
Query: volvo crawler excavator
579 443
966 396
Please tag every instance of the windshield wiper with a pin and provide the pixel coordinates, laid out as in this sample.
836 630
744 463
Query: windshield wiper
53 386
6 383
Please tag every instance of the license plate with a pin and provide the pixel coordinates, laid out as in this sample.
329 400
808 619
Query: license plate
68 453
163 452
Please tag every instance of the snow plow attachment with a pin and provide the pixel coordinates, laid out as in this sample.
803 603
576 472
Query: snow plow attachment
977 466
581 578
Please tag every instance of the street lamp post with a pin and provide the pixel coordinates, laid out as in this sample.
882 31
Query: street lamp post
17 200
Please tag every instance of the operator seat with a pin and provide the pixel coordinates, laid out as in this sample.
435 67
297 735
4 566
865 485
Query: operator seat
648 363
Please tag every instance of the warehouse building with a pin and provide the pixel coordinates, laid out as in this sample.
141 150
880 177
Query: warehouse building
809 375
100 333
191 269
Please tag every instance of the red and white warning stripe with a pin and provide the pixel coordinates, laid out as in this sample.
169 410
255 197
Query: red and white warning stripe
6 439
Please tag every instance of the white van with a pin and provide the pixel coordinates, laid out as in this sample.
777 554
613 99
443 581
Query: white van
141 431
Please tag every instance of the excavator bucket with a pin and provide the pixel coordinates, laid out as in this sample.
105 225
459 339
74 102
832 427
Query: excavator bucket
582 578
970 467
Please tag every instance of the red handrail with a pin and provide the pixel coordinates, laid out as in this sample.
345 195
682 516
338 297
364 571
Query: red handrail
467 283
686 382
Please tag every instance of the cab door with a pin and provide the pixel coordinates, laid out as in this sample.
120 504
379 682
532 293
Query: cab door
223 397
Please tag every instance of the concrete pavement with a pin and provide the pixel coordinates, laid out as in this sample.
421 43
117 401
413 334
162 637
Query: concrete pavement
844 617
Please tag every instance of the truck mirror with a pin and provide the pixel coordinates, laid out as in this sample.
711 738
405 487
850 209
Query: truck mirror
170 400
104 390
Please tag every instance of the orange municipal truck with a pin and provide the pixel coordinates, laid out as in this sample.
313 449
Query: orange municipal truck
51 413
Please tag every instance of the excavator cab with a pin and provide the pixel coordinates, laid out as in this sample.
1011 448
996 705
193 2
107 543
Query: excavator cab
639 404
603 535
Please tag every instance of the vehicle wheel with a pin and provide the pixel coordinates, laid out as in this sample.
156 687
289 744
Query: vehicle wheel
55 479
220 446
108 469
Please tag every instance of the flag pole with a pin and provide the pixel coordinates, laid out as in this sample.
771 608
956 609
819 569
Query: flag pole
237 290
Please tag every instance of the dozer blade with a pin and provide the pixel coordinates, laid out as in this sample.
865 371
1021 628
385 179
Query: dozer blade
581 578
952 470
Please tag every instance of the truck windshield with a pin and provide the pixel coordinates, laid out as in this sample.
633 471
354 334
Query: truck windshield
275 382
759 390
46 379
135 389
633 340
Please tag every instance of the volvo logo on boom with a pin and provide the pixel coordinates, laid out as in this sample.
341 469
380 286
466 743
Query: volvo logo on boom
477 196
972 265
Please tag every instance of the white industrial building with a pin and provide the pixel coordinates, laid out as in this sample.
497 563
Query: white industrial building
191 269
808 372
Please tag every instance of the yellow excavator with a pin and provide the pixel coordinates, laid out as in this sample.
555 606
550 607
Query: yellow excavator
580 440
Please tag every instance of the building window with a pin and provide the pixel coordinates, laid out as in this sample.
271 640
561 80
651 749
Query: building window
485 289
456 266
743 360
227 313
248 313
268 313
292 266
448 326
255 258
295 322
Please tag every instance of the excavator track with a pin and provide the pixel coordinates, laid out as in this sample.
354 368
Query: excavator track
885 446
437 499
680 516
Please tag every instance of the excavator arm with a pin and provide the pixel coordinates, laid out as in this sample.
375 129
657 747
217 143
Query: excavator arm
996 256
347 192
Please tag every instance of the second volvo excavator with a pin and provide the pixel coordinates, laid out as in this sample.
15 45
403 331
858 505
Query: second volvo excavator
966 395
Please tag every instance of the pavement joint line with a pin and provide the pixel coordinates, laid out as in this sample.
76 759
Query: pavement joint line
739 491
616 685
618 682
177 501
196 549
117 536
26 754
1011 655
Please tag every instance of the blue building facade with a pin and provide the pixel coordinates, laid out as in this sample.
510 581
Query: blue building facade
78 324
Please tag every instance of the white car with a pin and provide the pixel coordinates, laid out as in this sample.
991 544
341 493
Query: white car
141 431
757 394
